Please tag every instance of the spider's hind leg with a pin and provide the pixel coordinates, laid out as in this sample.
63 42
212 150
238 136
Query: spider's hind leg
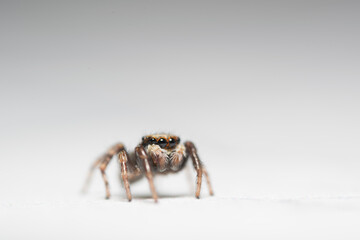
102 163
90 174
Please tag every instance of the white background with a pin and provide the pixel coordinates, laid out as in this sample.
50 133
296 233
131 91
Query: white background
267 90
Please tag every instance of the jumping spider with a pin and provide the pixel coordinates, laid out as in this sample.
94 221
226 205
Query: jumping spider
156 154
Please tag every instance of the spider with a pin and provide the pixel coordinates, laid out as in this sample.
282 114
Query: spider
155 154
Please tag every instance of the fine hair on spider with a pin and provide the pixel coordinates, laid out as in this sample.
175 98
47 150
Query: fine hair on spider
155 154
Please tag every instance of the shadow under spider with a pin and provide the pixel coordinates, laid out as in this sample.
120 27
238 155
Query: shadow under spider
149 196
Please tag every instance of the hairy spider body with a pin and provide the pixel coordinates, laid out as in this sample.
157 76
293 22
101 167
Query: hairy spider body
156 154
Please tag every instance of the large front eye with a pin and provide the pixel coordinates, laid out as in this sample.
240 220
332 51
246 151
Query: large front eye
172 142
162 142
152 141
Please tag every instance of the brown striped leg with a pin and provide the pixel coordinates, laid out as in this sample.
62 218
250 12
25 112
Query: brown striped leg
123 159
106 182
141 154
211 192
104 161
191 150
90 174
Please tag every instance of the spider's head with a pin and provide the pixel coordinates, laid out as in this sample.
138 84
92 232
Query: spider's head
165 141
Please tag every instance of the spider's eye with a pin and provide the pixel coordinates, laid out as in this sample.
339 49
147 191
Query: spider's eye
152 141
162 142
172 142
143 138
178 140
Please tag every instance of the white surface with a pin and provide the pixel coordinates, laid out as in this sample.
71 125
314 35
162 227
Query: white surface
249 204
183 217
268 91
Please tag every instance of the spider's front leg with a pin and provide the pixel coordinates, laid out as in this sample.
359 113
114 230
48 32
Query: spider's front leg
144 158
199 167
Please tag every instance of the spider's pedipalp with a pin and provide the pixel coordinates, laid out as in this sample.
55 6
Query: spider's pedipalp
158 156
177 157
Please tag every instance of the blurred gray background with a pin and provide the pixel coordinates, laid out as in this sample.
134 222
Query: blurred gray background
267 90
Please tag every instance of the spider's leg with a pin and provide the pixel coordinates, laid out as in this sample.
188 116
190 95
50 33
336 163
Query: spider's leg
103 162
200 169
90 174
141 154
123 159
205 172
